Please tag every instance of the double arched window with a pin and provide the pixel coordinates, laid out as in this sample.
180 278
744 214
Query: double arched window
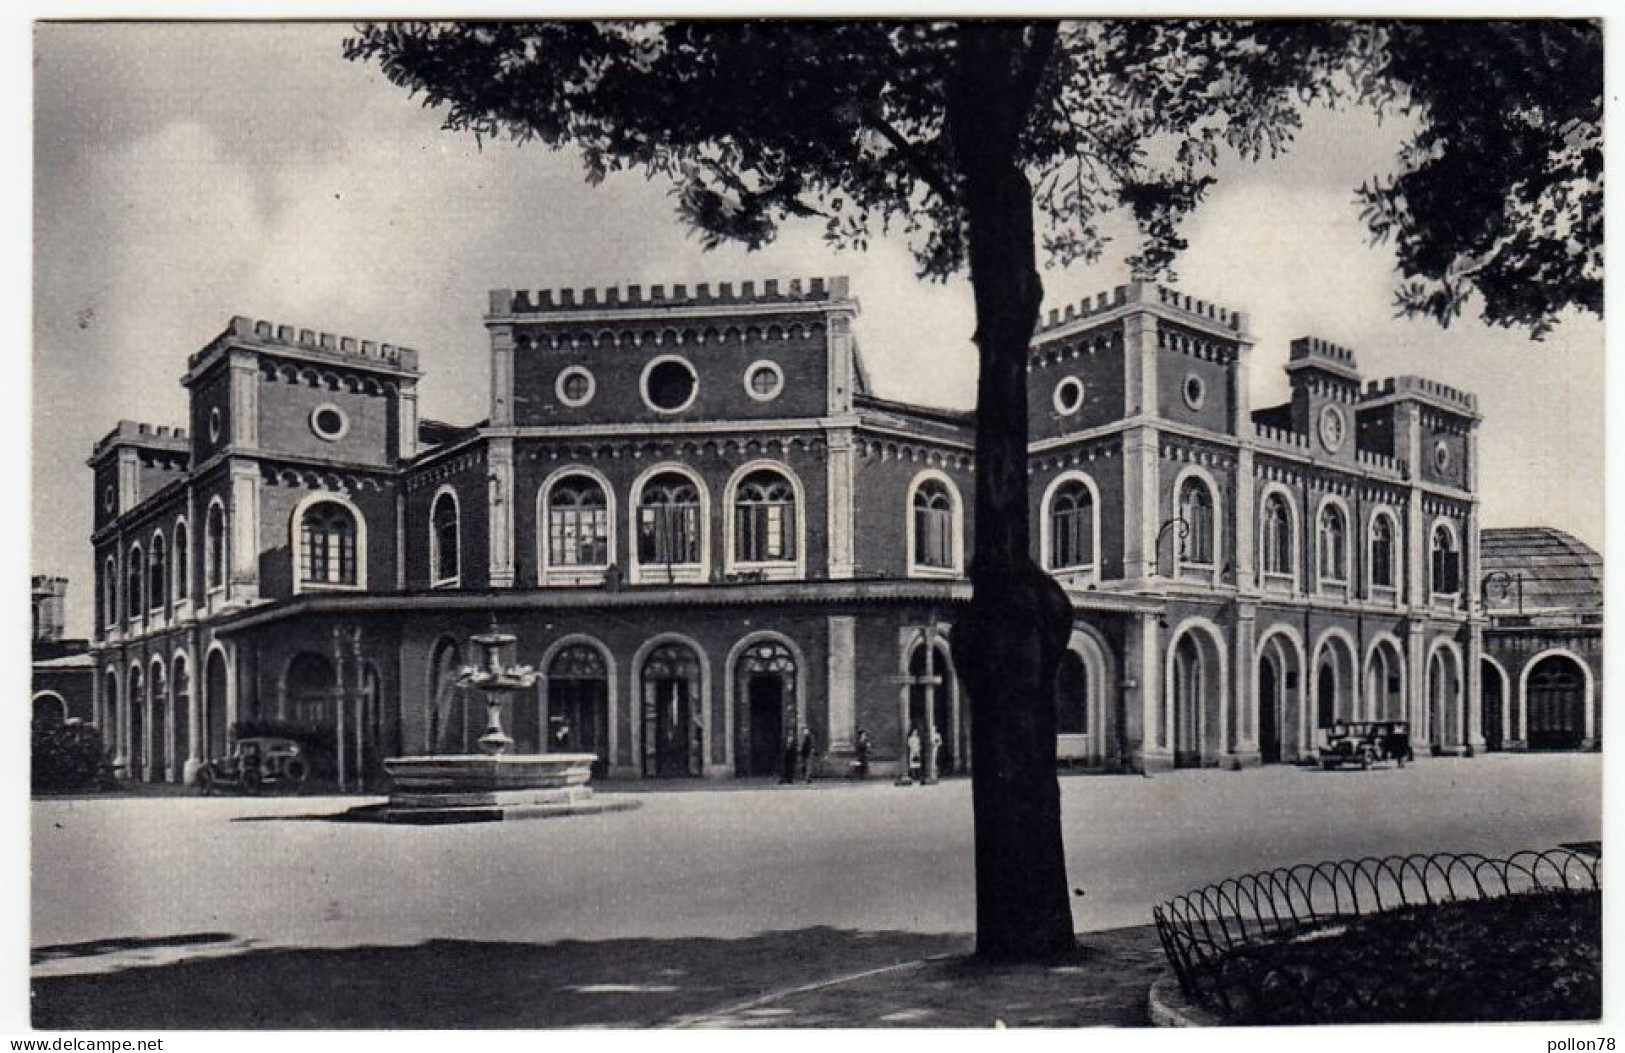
1384 561
1334 546
1446 561
135 573
1071 521
670 523
934 538
157 574
577 518
1277 537
764 510
329 540
444 552
1196 508
214 541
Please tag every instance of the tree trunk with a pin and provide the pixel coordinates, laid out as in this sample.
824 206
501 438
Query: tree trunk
1008 645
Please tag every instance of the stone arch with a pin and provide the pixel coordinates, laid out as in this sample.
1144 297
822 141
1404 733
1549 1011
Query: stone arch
48 709
442 701
1194 727
740 706
911 698
296 541
1089 745
1383 697
546 700
1496 702
1446 695
1294 516
645 751
1334 685
1283 730
956 525
1535 724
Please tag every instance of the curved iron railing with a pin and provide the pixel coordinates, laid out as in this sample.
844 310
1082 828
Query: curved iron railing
1215 937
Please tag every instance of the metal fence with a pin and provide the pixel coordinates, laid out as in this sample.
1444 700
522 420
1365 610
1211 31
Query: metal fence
1215 937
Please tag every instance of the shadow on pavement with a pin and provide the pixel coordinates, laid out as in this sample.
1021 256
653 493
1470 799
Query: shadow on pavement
772 979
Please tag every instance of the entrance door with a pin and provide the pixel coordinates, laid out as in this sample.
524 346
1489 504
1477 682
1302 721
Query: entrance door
672 719
767 732
579 714
1556 705
673 741
1269 714
940 674
1494 707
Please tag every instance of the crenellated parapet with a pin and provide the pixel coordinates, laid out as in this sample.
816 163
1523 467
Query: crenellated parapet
794 292
1313 352
1284 438
146 436
1380 462
1143 294
275 336
1431 391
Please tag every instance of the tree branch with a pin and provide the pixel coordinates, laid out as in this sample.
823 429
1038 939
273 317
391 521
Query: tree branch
911 153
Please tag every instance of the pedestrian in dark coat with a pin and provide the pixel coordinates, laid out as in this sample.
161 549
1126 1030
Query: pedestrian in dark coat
787 774
809 748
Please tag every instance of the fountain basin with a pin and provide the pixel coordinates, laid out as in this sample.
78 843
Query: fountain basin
482 788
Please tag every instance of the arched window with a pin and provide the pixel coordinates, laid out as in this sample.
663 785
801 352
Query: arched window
764 519
110 592
158 574
1072 526
1196 506
933 525
1277 535
443 547
1446 561
577 523
327 545
669 522
1382 553
183 572
136 573
214 540
1334 553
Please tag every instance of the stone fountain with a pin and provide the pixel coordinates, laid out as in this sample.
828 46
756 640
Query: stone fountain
493 784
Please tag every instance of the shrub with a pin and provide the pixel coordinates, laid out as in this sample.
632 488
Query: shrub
67 756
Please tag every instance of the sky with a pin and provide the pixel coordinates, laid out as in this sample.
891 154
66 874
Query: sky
185 173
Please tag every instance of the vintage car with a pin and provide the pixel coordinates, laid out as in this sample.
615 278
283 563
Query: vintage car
257 763
1365 743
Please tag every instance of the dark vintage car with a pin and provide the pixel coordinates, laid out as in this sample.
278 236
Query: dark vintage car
1364 743
257 764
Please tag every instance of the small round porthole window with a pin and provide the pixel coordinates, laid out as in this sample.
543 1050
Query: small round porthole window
669 384
1068 395
214 424
1441 455
1195 391
110 498
764 380
575 386
329 422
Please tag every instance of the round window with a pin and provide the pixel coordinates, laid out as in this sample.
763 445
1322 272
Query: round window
1441 456
1332 427
1069 395
575 386
764 380
110 498
329 422
669 384
214 424
1195 391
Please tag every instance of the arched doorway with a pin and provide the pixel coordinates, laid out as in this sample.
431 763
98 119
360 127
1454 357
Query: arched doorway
931 683
1269 711
765 699
158 768
1493 701
1444 700
1385 683
1071 702
672 733
137 760
1325 696
108 714
1336 677
1555 701
50 710
1192 708
181 687
214 705
578 704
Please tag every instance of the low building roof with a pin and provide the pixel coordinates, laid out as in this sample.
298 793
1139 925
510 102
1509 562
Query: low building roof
1555 570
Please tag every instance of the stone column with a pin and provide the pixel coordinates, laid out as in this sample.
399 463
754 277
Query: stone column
1244 693
501 480
1475 688
245 400
1141 445
1246 516
194 711
1143 662
406 421
839 352
841 682
243 580
1416 683
841 475
502 352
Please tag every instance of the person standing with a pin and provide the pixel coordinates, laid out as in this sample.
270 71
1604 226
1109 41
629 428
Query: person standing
809 748
787 773
912 744
860 766
936 752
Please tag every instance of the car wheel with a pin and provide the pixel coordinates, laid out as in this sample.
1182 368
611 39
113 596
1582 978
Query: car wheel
205 782
296 771
252 782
